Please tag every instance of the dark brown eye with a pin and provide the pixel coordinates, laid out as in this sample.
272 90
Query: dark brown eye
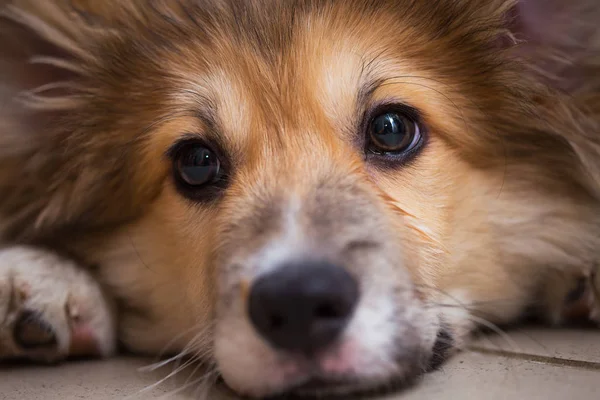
198 165
200 169
393 133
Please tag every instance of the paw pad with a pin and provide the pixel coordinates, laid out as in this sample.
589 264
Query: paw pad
32 332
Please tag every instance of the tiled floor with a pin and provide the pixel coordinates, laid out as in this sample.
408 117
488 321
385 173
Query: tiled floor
532 364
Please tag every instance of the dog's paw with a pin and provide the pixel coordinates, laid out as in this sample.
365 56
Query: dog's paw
50 309
573 296
595 308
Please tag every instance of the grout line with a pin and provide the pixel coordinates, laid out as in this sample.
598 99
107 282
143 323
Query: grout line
564 362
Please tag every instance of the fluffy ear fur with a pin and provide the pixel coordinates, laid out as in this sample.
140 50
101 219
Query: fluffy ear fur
561 38
41 64
558 41
61 154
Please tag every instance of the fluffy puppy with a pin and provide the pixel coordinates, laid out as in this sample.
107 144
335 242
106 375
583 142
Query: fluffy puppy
313 196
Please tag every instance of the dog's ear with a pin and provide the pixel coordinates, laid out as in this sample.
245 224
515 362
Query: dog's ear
559 38
72 110
39 67
558 41
46 64
43 50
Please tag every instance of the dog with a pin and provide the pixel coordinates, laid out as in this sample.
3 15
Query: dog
310 196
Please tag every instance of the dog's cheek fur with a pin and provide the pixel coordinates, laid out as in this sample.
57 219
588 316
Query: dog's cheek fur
479 246
163 279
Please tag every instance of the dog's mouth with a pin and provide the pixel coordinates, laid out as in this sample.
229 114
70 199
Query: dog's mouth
347 389
319 388
355 388
319 385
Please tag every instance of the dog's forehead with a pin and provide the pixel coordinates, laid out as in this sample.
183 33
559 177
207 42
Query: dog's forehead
309 83
315 74
253 101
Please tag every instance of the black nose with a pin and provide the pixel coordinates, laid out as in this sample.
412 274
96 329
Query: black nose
303 307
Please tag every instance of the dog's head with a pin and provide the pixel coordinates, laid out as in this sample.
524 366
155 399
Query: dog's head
311 193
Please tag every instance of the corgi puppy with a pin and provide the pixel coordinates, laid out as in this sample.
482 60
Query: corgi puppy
310 196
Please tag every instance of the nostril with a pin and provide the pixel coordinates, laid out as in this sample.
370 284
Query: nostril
277 322
329 311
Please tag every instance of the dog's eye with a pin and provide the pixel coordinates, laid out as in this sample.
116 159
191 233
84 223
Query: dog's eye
199 168
393 133
198 165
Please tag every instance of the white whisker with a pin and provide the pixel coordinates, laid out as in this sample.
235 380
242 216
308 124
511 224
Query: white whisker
187 350
187 386
166 378
496 329
158 365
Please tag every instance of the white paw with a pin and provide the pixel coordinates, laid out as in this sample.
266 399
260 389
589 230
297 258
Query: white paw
573 296
51 309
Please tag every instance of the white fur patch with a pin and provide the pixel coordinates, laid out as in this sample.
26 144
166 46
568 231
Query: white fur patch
43 283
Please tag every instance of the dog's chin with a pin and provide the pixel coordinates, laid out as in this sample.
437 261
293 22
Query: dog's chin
348 388
335 376
354 387
351 386
314 384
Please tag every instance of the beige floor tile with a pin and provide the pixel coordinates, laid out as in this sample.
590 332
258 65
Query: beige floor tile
467 376
568 344
485 377
114 379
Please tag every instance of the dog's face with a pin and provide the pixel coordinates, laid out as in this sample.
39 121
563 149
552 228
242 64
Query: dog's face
313 194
